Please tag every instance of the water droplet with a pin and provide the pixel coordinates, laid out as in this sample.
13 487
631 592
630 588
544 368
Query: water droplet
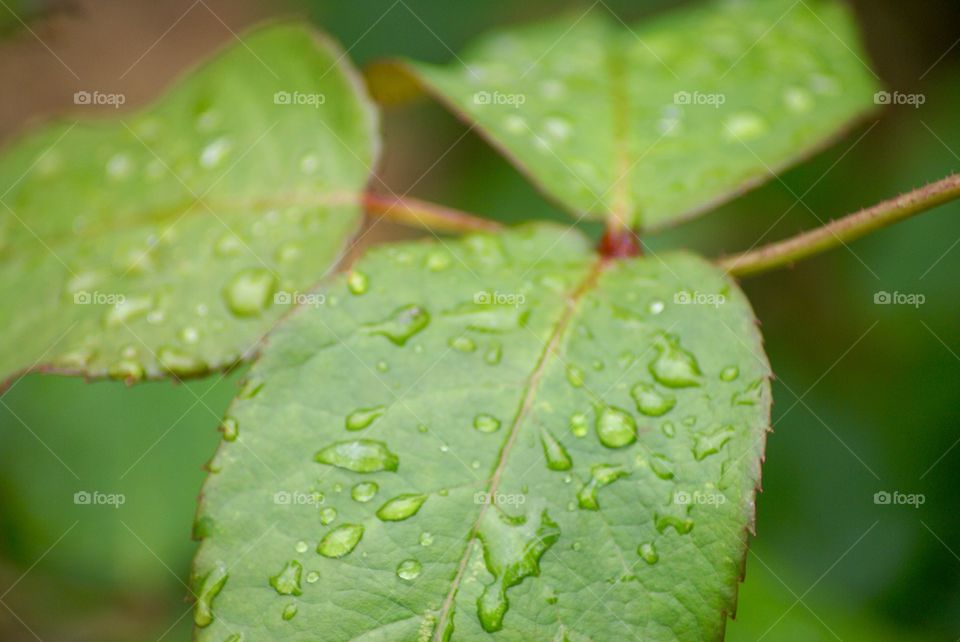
486 423
302 546
230 429
401 325
730 373
575 376
119 166
656 307
229 244
798 100
327 515
668 429
214 153
426 538
127 310
463 344
210 586
682 525
600 475
512 548
250 387
409 569
312 577
287 581
749 396
358 282
616 427
648 552
661 466
364 417
554 452
126 370
359 456
744 126
189 334
401 507
309 164
493 354
250 292
579 424
383 366
422 428
289 612
710 443
557 128
180 363
673 366
652 402
364 491
288 252
340 541
515 124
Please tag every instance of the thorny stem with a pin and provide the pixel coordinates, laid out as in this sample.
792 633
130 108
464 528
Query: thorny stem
842 230
416 213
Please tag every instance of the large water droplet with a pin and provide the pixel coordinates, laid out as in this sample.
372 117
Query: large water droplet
364 491
250 291
554 452
651 401
673 366
486 423
359 456
364 417
401 507
600 475
409 569
340 541
512 548
287 581
616 427
210 586
401 325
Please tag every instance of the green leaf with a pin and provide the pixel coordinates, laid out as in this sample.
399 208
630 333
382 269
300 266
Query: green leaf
171 239
518 486
664 120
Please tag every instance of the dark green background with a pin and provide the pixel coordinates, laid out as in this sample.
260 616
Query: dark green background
879 385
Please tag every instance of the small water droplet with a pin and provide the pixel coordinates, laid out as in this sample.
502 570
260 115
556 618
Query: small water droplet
651 401
358 282
230 429
250 387
409 569
554 452
575 376
673 366
648 552
668 429
287 581
730 373
438 261
749 396
616 427
210 586
189 334
127 370
486 423
600 475
340 541
711 442
493 354
579 424
682 525
744 126
302 546
119 166
250 292
401 507
327 515
426 538
289 612
309 164
661 466
364 417
401 325
383 366
180 363
798 100
126 310
463 344
312 577
364 491
359 456
214 153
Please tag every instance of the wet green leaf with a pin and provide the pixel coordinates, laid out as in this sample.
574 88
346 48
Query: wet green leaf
512 496
664 119
170 239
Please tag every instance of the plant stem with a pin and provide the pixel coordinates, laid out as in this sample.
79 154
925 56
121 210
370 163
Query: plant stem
842 230
417 213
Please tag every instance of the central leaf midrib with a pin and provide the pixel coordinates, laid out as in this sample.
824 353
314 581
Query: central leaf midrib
533 383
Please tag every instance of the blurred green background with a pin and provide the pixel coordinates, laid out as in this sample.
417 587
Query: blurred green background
867 397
